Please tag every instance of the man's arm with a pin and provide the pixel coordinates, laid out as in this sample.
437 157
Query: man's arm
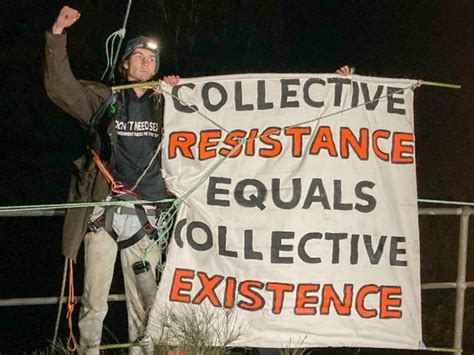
77 98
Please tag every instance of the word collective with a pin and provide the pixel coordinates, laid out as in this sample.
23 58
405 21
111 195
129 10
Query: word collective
285 247
305 299
288 94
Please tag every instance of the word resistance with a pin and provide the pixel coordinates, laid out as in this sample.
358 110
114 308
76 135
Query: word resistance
272 142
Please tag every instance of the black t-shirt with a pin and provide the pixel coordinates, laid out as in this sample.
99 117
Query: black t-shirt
137 140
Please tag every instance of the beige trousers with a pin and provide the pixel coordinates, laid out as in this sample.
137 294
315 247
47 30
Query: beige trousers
100 255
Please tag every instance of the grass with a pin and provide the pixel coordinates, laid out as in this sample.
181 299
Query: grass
202 331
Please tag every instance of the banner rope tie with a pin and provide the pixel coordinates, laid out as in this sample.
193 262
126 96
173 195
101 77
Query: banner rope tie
415 85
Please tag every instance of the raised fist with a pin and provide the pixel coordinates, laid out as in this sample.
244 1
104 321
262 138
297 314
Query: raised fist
66 18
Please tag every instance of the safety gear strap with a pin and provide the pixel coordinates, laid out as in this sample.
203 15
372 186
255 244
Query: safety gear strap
105 221
121 193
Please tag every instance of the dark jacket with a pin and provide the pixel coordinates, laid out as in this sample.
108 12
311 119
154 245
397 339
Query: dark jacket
80 99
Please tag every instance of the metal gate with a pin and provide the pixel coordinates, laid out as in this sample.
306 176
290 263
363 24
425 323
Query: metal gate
460 284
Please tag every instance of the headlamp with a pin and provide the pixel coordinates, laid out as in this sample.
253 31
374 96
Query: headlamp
152 45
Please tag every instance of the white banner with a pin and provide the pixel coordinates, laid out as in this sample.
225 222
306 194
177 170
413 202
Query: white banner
308 231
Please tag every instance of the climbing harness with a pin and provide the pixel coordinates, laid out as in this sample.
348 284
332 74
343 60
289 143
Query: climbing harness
118 192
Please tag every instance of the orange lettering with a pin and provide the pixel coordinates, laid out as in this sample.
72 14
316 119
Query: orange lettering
302 299
297 138
256 301
386 302
207 290
231 140
361 295
375 137
230 286
205 144
275 144
250 146
324 140
179 285
330 296
279 290
399 149
359 146
182 141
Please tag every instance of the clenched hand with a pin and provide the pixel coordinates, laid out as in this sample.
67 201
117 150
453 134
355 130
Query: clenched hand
66 18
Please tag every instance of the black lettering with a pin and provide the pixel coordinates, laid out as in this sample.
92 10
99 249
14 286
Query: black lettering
286 93
261 103
239 105
276 194
392 100
395 251
249 253
339 82
355 94
206 99
277 246
212 190
254 199
177 104
316 185
336 250
338 204
355 249
207 244
306 88
177 232
374 257
302 250
371 103
371 201
222 240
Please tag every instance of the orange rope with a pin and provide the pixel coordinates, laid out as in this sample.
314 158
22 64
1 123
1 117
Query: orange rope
71 341
102 168
116 186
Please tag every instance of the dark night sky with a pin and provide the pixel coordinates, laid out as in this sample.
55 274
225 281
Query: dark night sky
431 40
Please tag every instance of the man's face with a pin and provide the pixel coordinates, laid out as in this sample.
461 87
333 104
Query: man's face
140 65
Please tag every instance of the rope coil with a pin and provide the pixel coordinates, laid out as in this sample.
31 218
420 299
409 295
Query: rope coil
113 56
71 340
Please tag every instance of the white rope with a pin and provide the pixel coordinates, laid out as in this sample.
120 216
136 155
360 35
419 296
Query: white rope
60 306
194 109
148 166
112 62
417 84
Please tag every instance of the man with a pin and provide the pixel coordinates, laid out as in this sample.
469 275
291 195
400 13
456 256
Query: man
125 131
